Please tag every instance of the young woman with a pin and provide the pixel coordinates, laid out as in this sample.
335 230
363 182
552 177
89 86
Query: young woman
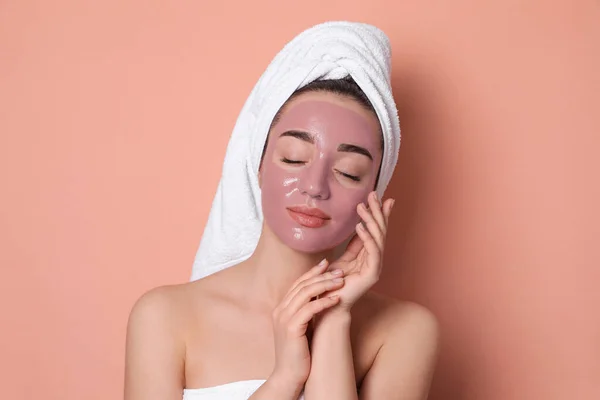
292 319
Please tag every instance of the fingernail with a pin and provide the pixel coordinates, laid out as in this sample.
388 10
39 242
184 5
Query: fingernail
323 262
337 280
337 272
360 226
392 206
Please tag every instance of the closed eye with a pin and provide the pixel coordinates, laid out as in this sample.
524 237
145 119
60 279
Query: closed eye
288 161
352 177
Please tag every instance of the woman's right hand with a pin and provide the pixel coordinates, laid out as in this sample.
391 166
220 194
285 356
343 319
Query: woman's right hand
292 317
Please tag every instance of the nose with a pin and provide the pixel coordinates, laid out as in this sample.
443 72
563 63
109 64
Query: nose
314 183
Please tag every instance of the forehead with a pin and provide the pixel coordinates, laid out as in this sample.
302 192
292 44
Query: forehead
330 117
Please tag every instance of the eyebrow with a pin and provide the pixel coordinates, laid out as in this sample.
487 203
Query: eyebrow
305 136
344 147
350 148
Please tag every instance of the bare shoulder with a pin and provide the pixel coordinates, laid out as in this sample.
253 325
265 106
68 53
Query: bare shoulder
397 317
416 327
155 349
160 304
406 335
172 310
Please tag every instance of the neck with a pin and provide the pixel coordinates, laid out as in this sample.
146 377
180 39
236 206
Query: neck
274 267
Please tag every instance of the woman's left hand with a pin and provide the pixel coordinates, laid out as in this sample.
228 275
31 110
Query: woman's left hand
362 260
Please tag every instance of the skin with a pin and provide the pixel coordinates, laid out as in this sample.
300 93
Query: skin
324 155
223 328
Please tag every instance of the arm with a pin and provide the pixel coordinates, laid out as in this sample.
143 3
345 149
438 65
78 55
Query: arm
154 366
404 365
332 368
290 322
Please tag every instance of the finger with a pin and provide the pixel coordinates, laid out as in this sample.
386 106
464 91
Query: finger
387 210
304 295
319 278
376 210
371 225
311 273
352 250
373 252
308 311
307 293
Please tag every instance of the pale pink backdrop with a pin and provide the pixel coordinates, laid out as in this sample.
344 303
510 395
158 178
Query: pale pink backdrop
114 117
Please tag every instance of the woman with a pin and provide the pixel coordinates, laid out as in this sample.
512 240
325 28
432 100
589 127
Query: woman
276 315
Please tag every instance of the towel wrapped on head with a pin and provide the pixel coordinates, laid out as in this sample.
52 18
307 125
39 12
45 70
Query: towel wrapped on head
331 50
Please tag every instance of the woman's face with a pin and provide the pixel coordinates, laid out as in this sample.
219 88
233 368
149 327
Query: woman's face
321 161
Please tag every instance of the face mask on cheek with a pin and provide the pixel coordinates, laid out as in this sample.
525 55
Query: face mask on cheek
307 208
305 200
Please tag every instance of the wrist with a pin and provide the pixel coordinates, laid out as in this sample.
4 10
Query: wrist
336 316
284 387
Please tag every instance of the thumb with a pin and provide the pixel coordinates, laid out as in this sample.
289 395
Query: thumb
353 249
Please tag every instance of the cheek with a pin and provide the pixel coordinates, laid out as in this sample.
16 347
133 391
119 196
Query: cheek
276 183
343 206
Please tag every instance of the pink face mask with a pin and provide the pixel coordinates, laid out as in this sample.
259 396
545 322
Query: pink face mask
321 161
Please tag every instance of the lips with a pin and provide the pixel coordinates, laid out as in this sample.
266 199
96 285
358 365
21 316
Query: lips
310 217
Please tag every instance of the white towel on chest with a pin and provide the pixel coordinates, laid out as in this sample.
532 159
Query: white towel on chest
331 50
240 390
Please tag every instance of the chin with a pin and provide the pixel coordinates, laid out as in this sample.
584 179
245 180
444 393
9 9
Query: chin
309 248
314 245
304 239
